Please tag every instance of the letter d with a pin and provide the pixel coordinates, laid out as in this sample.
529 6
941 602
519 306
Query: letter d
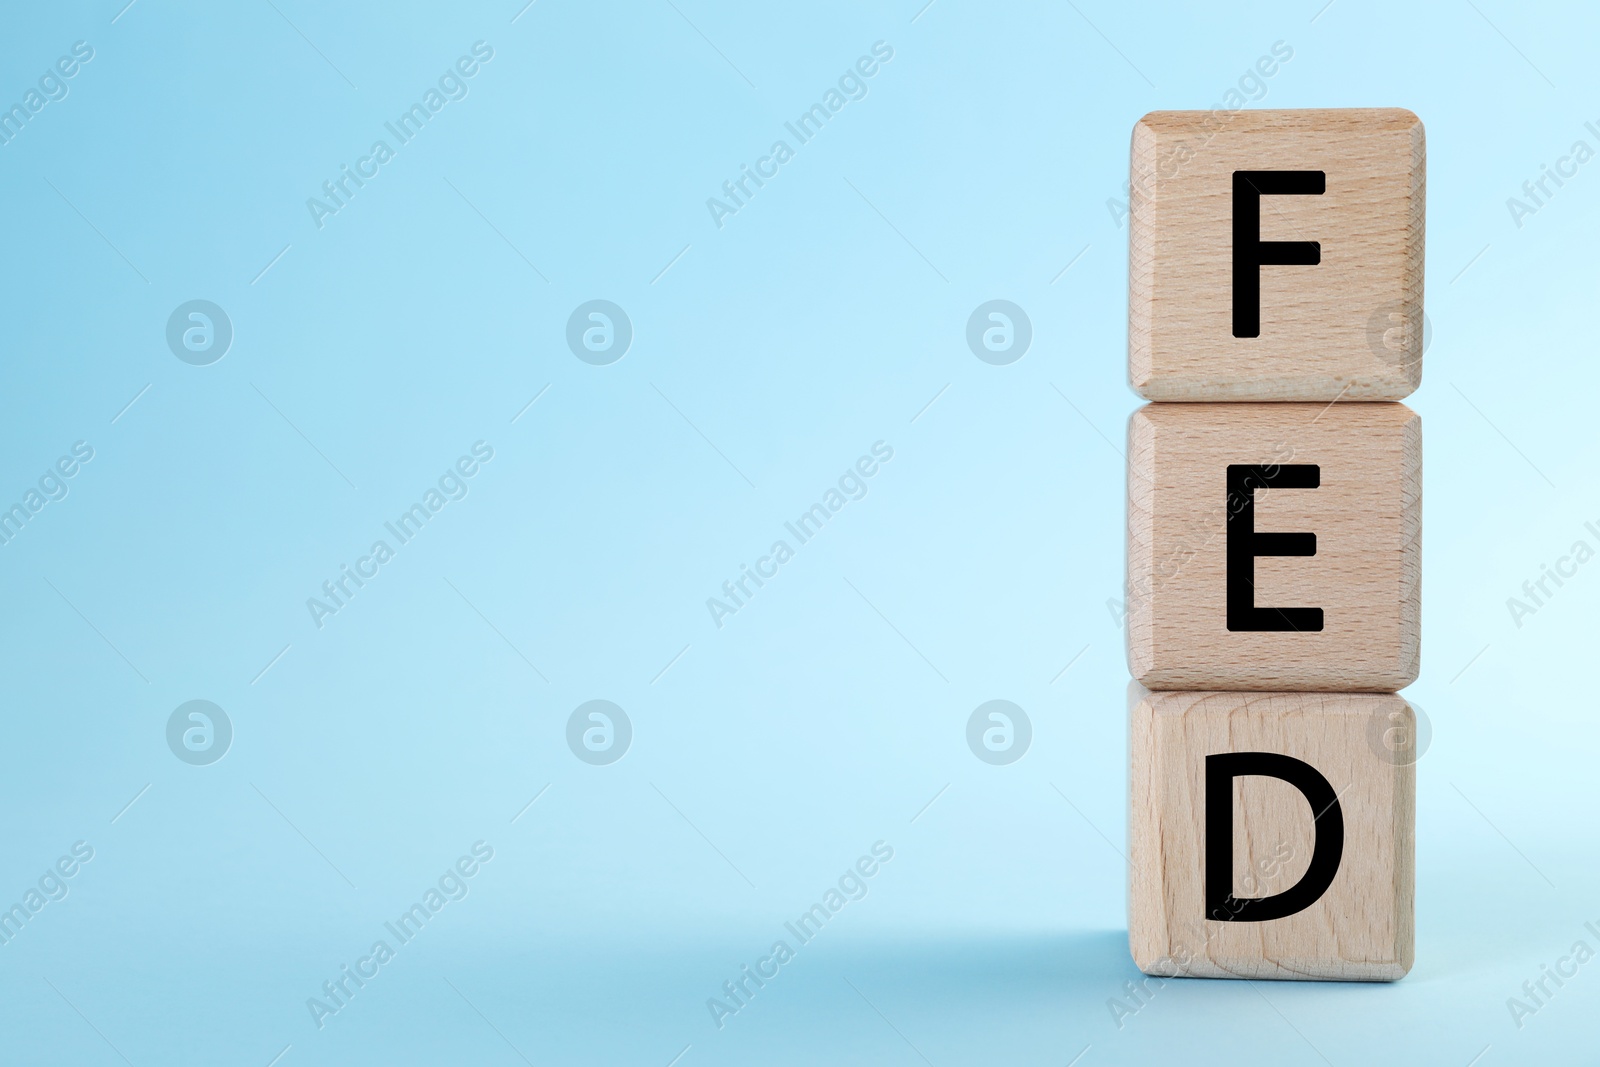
1328 835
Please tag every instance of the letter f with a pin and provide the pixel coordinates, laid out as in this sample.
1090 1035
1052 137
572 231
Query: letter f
1251 253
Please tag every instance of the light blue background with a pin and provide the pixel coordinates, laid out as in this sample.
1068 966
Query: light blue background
767 357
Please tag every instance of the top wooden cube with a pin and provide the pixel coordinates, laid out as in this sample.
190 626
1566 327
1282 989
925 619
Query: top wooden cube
1276 255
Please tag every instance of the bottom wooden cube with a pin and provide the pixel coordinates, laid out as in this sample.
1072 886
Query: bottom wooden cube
1272 835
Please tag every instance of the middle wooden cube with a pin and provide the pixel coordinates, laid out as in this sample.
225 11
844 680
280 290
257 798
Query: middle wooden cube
1274 546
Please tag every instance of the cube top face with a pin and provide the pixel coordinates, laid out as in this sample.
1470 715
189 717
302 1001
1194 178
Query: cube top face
1349 326
1222 590
1363 811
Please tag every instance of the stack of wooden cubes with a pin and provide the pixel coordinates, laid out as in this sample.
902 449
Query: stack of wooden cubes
1274 541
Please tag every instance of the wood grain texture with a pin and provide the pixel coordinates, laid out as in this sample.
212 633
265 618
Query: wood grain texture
1348 327
1365 575
1361 928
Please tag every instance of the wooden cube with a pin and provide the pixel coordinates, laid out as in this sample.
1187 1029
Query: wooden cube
1274 546
1276 255
1272 835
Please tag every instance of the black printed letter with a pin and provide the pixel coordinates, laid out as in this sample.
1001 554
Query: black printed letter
1244 545
1251 253
1327 836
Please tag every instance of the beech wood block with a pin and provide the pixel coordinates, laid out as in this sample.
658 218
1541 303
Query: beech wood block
1248 805
1274 546
1276 255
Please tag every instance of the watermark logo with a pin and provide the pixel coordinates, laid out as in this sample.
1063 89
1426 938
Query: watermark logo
1565 170
52 486
599 732
1397 338
852 485
1137 996
737 192
742 988
999 732
1536 992
51 887
999 332
1251 87
1399 739
52 86
339 191
453 884
199 732
599 332
1538 591
199 332
339 591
